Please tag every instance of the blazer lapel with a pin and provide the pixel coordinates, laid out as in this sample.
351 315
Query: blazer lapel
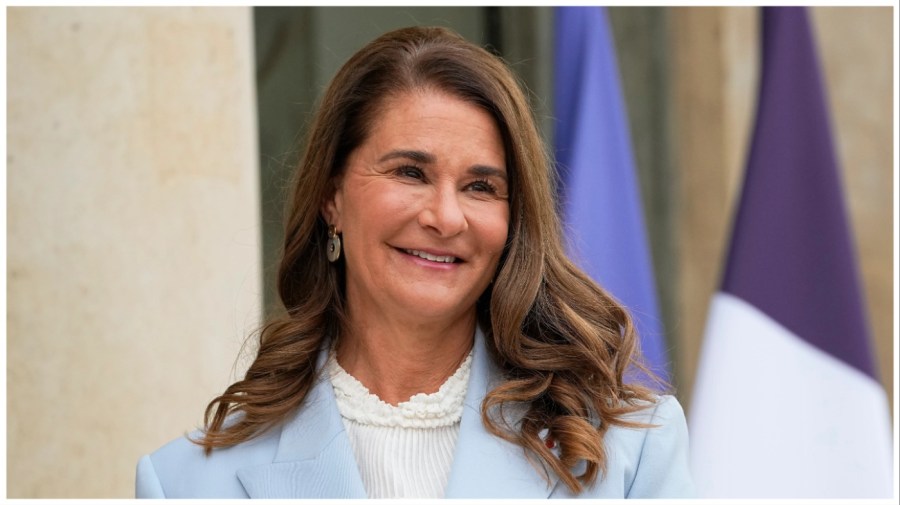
314 458
484 465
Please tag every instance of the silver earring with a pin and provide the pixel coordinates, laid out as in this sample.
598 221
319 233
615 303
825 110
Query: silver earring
333 249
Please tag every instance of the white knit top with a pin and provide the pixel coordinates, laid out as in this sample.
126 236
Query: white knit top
403 451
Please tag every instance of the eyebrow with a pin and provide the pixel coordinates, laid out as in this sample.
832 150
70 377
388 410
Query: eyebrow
486 171
427 158
419 156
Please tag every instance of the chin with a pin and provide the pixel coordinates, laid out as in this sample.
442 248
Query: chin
436 308
435 311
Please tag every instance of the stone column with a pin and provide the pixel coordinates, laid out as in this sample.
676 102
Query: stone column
855 48
714 70
133 234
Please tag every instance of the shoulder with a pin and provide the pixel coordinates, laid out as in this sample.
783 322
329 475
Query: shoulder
660 465
181 469
649 462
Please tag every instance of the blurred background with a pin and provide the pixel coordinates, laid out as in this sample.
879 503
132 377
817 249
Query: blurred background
148 150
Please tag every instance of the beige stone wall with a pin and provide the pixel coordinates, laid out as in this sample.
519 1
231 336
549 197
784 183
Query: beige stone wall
133 234
715 74
715 65
855 45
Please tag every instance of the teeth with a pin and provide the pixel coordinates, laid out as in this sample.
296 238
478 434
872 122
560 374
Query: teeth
431 257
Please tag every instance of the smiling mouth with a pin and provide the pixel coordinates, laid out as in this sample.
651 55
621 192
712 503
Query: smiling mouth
432 257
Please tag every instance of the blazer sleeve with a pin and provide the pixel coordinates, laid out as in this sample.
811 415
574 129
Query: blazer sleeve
663 469
146 482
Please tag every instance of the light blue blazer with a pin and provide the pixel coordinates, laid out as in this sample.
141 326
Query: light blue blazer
310 456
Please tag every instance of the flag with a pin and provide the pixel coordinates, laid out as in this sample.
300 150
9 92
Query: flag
599 193
787 402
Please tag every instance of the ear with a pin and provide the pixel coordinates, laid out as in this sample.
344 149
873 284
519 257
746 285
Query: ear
332 205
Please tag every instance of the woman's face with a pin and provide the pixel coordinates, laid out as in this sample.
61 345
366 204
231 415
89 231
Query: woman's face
423 209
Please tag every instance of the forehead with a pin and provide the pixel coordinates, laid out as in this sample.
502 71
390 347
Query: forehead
434 119
426 105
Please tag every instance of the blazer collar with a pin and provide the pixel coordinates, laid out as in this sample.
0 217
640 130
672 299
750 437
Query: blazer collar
484 465
314 458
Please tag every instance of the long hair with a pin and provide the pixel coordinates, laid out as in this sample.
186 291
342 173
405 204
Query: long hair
562 342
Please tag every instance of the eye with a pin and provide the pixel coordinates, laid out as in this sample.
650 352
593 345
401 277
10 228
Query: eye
410 171
482 186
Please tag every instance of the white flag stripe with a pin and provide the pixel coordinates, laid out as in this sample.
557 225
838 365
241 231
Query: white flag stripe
775 417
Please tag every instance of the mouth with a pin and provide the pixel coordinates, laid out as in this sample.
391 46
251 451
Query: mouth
432 257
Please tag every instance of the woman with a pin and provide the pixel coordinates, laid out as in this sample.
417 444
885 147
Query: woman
436 340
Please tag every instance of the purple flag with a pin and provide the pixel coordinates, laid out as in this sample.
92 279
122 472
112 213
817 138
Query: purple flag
791 253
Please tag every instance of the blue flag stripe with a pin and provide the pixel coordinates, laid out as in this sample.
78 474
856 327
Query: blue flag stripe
599 191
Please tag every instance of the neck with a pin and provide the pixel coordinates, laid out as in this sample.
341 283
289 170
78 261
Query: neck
396 361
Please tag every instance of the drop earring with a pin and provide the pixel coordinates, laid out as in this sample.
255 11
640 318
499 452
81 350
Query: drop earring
333 248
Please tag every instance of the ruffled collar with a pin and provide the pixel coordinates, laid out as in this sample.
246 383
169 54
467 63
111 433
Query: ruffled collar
441 408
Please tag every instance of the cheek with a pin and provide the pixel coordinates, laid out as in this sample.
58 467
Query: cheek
502 235
375 206
494 228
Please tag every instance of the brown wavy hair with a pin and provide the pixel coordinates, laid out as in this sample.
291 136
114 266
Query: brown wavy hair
563 343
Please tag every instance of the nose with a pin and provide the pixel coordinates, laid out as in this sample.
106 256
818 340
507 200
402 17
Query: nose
443 213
